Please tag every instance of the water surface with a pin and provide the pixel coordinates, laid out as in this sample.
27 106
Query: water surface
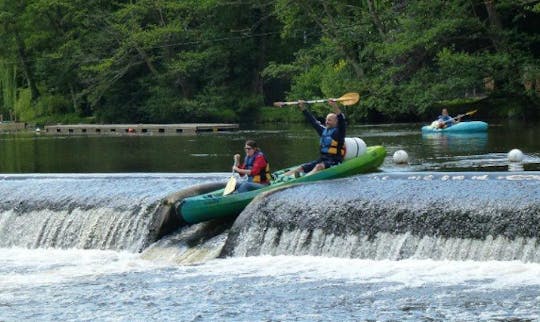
285 145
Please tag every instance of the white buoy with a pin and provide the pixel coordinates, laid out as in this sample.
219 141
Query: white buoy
400 157
515 155
354 147
38 130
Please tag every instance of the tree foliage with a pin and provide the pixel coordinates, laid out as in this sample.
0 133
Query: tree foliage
213 60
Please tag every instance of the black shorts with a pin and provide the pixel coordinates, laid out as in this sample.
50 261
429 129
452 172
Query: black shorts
328 162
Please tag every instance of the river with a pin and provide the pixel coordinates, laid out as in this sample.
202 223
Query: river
75 242
284 145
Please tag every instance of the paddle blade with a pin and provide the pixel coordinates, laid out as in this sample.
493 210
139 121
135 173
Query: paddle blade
230 187
471 112
349 99
346 100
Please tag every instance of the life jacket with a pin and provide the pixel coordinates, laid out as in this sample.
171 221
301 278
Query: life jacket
329 145
264 175
445 121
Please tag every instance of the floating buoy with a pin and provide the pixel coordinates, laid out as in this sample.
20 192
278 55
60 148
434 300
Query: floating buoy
515 155
38 130
400 157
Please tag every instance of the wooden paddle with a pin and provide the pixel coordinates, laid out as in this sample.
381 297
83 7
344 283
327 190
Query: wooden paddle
347 99
466 114
435 124
231 184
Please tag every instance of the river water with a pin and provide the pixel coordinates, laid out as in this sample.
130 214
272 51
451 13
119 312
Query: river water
284 145
74 239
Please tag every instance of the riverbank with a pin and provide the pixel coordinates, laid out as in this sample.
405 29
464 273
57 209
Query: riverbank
487 109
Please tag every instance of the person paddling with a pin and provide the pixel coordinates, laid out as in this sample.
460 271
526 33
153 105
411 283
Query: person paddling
444 120
332 140
255 166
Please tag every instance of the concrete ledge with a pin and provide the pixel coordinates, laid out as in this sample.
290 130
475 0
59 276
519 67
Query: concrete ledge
138 129
12 126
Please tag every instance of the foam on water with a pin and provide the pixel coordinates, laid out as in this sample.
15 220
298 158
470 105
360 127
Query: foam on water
49 284
406 272
21 267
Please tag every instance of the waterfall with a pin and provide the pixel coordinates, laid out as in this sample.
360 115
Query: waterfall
96 227
121 212
444 216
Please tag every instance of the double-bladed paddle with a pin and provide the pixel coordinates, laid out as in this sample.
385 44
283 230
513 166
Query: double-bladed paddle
346 100
435 124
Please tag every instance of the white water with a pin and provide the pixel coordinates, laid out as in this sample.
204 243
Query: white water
170 281
46 284
95 211
385 246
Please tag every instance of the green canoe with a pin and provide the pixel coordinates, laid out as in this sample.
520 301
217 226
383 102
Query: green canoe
214 205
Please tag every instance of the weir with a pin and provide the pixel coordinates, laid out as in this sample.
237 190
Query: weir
442 216
121 213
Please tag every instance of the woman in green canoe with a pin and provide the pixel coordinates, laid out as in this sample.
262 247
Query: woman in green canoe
255 167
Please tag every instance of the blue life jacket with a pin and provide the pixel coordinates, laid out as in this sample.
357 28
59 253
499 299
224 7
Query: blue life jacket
328 144
447 120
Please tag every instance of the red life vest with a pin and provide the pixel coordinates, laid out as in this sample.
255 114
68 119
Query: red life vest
264 175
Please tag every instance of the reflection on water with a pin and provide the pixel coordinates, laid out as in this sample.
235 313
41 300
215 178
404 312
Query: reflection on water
284 145
456 142
515 166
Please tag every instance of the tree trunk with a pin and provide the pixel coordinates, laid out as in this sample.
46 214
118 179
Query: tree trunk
147 60
375 17
26 68
74 98
261 54
494 19
495 25
351 57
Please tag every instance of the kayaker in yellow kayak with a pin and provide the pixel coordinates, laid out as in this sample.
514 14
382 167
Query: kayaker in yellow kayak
332 140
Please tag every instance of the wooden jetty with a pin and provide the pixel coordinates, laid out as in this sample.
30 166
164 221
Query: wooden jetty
12 127
141 129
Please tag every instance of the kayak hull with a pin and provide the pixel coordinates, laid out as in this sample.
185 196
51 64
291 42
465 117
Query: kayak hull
214 205
461 127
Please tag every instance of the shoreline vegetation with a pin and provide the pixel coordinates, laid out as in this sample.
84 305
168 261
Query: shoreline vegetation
166 62
271 114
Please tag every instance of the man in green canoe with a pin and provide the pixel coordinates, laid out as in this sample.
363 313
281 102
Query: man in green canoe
332 140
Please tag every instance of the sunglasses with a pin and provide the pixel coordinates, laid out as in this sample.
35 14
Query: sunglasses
248 148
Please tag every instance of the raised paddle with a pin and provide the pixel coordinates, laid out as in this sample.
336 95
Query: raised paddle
466 114
440 124
231 184
347 99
